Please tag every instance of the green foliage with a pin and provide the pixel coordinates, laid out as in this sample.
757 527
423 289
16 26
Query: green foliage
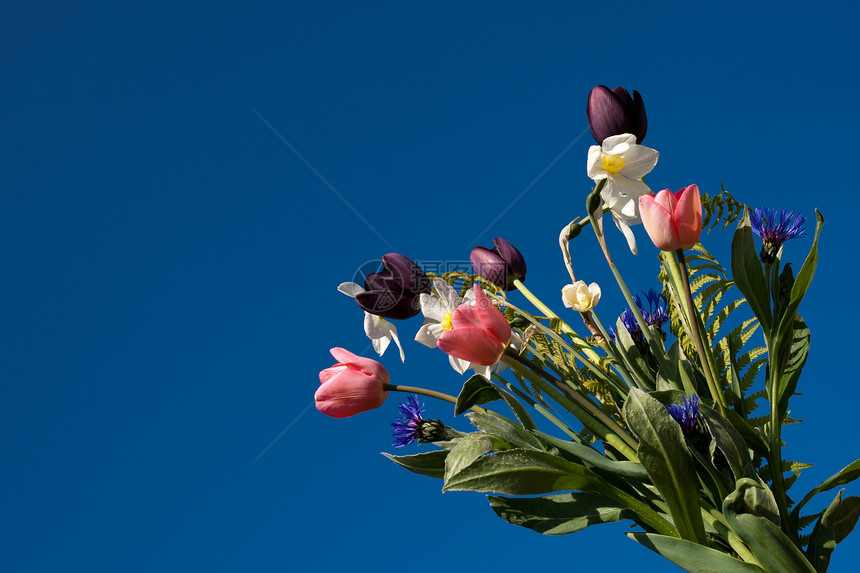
721 208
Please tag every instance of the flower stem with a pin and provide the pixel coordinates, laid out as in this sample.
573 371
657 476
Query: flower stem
426 392
656 347
697 335
589 414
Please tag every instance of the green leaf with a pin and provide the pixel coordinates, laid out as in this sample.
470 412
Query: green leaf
773 549
476 392
798 290
497 425
691 556
728 440
822 542
517 408
794 362
846 475
664 455
558 514
630 470
846 517
426 464
521 472
530 472
753 437
748 273
630 354
468 449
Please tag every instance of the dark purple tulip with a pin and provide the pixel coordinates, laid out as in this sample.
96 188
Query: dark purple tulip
393 292
613 112
501 265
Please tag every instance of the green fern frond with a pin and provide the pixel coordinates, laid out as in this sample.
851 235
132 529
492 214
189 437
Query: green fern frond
720 207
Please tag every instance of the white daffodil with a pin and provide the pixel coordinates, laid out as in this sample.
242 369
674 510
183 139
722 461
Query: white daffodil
622 164
380 331
579 297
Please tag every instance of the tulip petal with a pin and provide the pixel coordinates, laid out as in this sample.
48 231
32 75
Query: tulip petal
348 394
407 273
511 255
387 304
491 318
329 373
641 118
473 344
489 264
606 113
367 366
667 200
688 216
658 223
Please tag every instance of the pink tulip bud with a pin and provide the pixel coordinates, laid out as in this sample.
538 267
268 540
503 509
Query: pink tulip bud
351 386
479 333
672 220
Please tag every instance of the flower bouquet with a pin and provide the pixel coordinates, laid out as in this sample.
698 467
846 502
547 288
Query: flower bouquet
669 416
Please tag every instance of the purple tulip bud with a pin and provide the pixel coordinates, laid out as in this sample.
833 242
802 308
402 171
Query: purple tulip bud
613 112
501 265
393 292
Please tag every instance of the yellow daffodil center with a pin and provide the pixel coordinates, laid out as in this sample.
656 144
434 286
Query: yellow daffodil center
612 163
446 321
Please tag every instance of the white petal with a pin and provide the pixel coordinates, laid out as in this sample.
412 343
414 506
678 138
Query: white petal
397 342
485 371
594 291
568 294
380 344
593 166
628 233
448 296
431 307
460 366
639 161
350 289
619 144
376 326
429 333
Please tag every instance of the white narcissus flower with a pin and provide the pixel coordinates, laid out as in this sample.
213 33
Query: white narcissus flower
579 297
380 331
622 163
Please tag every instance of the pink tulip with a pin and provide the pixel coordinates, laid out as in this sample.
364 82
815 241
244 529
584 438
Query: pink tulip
673 220
479 333
351 386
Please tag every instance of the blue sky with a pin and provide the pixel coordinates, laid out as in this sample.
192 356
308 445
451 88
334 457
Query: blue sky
174 181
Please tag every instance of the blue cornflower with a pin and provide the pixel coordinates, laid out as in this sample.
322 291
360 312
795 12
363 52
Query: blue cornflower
656 313
411 426
686 414
775 226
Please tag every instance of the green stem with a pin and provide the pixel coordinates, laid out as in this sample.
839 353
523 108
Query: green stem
589 414
697 335
656 347
430 393
775 451
538 407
